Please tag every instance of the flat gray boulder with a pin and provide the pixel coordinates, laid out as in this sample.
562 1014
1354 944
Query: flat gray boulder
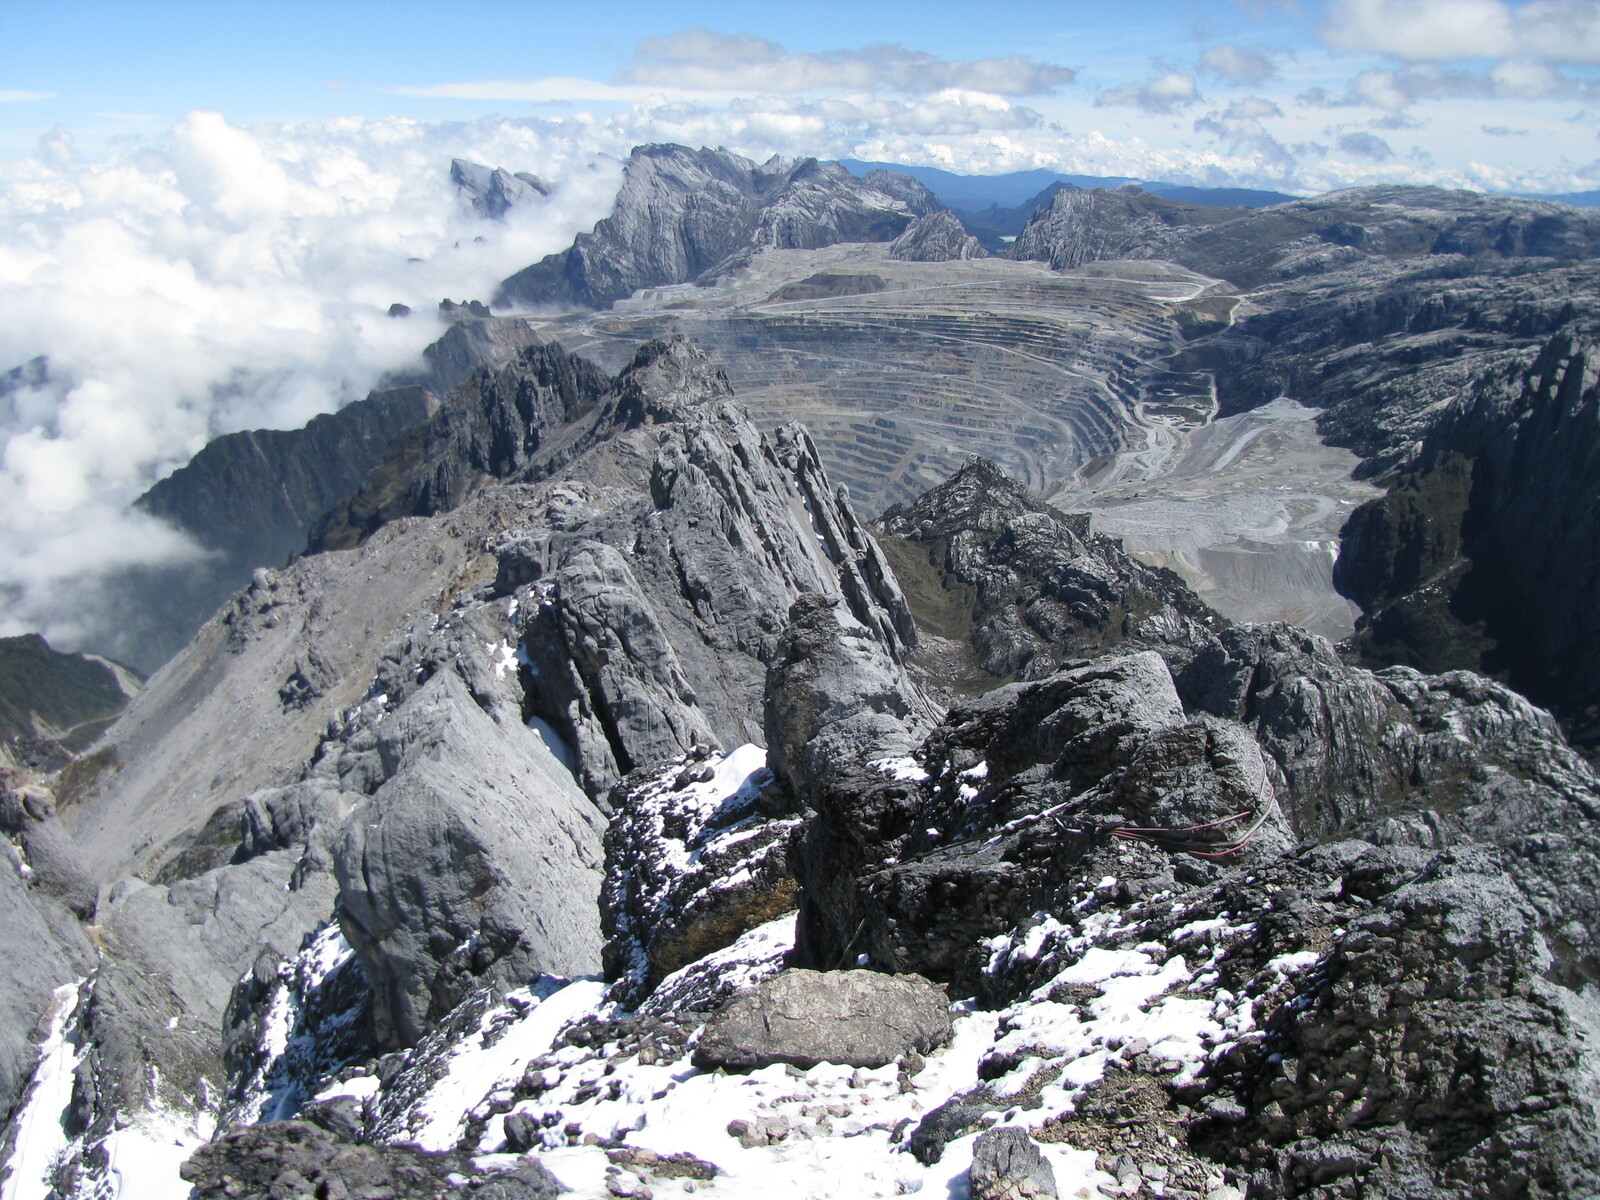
854 1018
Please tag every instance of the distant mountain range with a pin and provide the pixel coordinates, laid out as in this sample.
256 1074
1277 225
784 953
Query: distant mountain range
973 193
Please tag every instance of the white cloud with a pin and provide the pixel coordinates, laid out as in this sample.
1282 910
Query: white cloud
1565 31
554 89
1395 90
224 278
705 60
1167 94
1239 126
1238 65
1366 145
16 96
1252 108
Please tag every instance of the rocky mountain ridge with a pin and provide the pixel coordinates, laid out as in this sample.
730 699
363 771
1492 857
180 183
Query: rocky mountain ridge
53 705
628 689
557 825
688 215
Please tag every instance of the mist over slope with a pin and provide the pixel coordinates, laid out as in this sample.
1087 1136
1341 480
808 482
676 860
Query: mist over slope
222 279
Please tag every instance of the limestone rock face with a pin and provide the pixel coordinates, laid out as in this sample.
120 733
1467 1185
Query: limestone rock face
1253 246
854 1018
836 696
443 875
1444 565
492 191
686 214
1085 226
1043 588
938 237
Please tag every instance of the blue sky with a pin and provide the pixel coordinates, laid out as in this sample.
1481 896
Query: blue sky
1483 92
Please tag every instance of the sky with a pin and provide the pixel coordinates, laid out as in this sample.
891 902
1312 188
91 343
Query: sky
206 210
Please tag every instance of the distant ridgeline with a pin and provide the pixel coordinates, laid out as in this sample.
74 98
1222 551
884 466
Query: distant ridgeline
1376 304
52 702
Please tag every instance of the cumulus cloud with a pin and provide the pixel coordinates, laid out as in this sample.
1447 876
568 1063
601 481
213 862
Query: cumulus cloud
1240 126
1382 87
709 61
216 279
1167 94
1566 31
1366 145
1238 65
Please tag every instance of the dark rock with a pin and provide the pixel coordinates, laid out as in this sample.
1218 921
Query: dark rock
1026 785
1482 556
1007 1165
69 699
399 310
1442 979
953 1119
1041 589
294 1158
340 1116
522 1132
854 1018
691 864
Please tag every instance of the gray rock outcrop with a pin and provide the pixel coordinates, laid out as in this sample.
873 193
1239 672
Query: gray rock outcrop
836 695
937 237
1038 587
1007 1165
854 1018
683 215
447 876
1085 226
914 871
42 944
493 190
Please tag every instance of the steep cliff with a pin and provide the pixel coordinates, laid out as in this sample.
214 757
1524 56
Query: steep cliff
684 215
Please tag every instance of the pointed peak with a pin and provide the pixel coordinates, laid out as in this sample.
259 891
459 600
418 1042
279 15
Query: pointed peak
980 495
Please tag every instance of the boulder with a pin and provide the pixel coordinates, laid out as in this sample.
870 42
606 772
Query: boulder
835 696
296 1158
1006 1165
854 1018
